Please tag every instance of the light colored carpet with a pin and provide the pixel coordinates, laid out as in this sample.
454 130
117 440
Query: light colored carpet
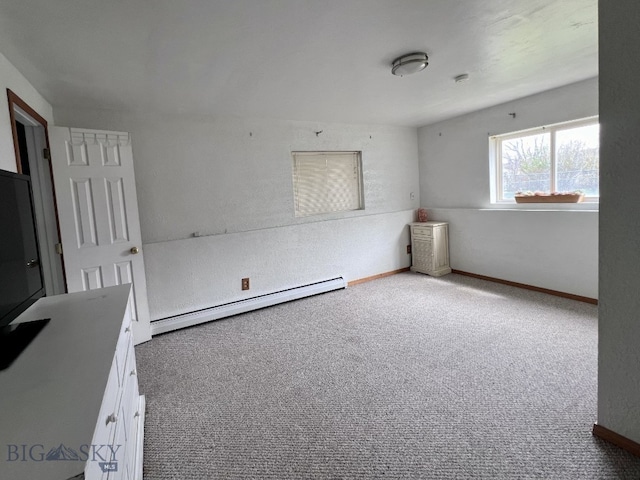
404 377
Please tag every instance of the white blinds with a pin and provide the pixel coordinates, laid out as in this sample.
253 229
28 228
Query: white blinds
326 182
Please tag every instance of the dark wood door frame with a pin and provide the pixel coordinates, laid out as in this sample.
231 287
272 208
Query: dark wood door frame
15 101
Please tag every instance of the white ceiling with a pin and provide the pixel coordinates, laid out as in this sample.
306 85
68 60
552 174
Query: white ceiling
319 60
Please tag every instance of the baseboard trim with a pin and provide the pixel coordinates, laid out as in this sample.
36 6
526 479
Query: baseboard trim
246 305
571 296
376 277
616 439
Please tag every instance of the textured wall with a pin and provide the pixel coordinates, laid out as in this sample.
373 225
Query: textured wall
190 274
555 250
549 249
454 158
230 179
11 78
619 334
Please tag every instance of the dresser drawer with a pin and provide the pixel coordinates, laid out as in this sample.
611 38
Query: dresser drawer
126 427
105 426
419 231
125 342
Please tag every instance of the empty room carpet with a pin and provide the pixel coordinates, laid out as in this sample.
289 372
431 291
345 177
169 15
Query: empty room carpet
404 377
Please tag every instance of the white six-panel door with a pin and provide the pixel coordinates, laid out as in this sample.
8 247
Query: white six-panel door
98 213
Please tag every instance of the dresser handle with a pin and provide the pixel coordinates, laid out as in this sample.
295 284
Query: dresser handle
133 372
112 419
33 263
137 414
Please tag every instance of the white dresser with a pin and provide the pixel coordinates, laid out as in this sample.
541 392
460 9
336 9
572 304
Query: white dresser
430 248
70 406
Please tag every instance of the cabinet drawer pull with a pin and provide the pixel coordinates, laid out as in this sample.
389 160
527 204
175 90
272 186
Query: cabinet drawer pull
112 419
127 330
133 372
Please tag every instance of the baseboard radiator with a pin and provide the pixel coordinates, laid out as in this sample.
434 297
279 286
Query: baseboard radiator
246 305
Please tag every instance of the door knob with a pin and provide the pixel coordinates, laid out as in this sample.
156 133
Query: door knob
134 250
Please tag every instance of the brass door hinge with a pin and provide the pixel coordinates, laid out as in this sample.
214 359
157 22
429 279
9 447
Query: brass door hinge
46 153
59 248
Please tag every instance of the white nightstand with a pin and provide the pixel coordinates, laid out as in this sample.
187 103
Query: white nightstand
430 248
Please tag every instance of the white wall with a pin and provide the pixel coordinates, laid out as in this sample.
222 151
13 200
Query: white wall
11 78
230 179
545 248
619 308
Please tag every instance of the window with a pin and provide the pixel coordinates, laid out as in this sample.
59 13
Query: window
325 182
558 158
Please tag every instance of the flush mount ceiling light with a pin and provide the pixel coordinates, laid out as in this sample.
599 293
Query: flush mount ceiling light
410 63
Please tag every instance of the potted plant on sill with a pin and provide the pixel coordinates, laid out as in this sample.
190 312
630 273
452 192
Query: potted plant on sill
554 197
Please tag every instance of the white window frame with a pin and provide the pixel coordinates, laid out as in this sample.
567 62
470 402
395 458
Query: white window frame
495 152
338 165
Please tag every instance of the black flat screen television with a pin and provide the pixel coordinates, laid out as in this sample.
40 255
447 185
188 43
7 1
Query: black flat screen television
21 276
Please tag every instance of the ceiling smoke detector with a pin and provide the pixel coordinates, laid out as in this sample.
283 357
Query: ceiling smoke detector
410 63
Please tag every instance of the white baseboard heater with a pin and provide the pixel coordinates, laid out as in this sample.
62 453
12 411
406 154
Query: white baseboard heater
246 305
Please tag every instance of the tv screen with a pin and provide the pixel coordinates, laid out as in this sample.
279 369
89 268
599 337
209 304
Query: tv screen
21 279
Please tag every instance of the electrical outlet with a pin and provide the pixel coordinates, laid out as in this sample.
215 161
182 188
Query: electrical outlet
408 249
245 284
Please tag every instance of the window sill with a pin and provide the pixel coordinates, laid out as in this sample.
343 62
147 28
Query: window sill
546 207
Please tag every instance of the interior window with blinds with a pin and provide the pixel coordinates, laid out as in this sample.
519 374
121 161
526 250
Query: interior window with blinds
325 182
